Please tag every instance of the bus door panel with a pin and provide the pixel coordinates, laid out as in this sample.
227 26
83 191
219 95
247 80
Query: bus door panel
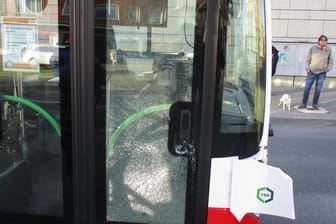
146 52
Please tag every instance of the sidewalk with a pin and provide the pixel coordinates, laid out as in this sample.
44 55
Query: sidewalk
285 86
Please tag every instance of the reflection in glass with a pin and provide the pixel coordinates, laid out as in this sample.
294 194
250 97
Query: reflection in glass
243 93
134 15
151 68
107 11
30 149
241 63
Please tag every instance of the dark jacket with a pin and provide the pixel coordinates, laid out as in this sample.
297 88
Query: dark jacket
275 59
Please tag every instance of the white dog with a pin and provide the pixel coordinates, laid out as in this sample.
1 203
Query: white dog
285 100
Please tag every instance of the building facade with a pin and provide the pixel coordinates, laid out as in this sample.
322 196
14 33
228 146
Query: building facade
303 21
296 25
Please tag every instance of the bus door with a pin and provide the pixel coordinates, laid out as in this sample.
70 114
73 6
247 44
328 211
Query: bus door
182 85
149 67
146 53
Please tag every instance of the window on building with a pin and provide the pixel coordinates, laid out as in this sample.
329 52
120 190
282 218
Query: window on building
108 11
29 7
157 16
133 15
66 8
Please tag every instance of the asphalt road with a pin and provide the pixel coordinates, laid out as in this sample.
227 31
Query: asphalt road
304 146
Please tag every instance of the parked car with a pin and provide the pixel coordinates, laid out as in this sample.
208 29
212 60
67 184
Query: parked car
38 54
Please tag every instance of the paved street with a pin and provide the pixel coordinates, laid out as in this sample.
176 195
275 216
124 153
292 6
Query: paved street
304 146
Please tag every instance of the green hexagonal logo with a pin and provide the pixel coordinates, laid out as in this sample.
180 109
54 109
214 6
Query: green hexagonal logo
265 194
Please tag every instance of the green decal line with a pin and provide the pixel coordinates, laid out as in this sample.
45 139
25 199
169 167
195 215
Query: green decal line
115 135
38 109
129 120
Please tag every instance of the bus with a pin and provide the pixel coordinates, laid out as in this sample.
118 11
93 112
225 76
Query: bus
149 111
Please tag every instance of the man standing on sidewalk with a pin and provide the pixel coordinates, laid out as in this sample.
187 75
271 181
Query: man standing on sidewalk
319 61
